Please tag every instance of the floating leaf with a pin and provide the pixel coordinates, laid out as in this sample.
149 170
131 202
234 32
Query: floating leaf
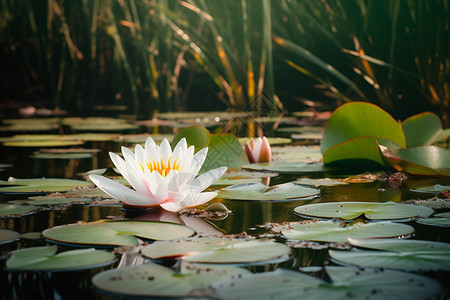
15 210
320 182
153 280
425 160
95 137
373 211
409 255
218 250
52 199
141 138
344 283
338 232
44 143
45 259
296 154
41 185
261 192
62 155
440 219
437 188
421 129
351 133
8 236
290 167
272 140
116 233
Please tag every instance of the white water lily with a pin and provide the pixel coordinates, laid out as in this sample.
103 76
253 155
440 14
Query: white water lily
160 176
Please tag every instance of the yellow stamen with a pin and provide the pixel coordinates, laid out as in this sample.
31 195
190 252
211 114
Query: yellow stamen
161 167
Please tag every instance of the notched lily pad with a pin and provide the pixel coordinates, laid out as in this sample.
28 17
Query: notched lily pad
115 233
219 250
261 192
153 280
344 283
373 211
338 231
15 210
45 259
409 255
8 236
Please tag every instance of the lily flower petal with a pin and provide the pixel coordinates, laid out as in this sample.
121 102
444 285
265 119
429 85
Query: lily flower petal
160 176
121 192
258 151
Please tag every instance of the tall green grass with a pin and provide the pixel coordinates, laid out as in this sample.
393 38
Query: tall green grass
148 55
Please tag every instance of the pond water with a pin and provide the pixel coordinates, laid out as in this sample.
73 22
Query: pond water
249 217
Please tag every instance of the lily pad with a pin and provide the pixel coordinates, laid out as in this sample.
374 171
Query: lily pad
344 283
8 236
296 154
95 137
408 255
116 233
198 136
439 219
425 160
44 143
272 140
437 188
153 280
290 167
46 155
45 259
141 138
320 182
351 133
421 129
41 185
373 211
224 150
339 232
261 192
219 250
15 210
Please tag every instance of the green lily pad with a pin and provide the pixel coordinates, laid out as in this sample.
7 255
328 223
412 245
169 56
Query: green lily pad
296 154
218 250
373 211
116 233
46 155
421 129
242 177
44 143
408 255
353 130
439 219
437 188
52 199
320 182
261 192
272 140
153 280
45 259
344 283
141 138
425 160
224 150
41 185
339 232
8 236
198 136
95 137
290 167
28 127
15 210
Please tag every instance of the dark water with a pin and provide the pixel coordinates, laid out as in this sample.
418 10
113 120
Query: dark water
246 216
